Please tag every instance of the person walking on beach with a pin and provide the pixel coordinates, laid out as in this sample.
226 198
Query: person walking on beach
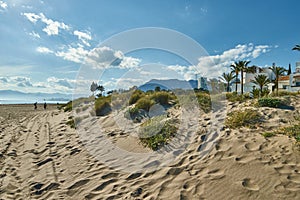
35 105
45 105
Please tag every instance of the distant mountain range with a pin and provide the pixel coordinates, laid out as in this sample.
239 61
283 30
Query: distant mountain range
12 94
169 84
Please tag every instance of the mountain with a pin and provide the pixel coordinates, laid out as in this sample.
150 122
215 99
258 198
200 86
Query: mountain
169 84
12 94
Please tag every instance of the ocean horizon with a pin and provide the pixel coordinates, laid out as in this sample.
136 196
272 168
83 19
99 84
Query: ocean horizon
19 101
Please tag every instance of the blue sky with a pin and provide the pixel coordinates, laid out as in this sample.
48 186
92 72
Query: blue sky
45 43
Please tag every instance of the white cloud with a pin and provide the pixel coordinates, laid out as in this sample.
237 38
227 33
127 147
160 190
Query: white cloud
52 27
20 81
34 34
44 50
3 5
105 57
84 37
76 55
214 66
32 17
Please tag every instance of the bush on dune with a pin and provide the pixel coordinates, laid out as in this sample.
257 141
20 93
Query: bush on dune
144 103
162 97
204 101
138 94
269 102
157 132
235 97
102 106
246 118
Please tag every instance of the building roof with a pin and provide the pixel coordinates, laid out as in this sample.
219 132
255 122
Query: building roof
284 78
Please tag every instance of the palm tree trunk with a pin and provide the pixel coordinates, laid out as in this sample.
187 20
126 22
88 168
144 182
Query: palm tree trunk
277 85
236 76
242 82
228 86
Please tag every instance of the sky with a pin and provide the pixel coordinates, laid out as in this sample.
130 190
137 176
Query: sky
58 46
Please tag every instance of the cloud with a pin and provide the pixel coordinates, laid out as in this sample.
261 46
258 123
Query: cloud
105 57
34 34
44 50
21 81
214 66
32 17
76 55
3 80
61 82
3 5
84 37
52 27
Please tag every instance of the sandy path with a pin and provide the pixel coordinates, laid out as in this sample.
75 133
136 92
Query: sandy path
43 158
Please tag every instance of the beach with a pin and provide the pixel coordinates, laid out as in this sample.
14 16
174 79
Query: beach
41 157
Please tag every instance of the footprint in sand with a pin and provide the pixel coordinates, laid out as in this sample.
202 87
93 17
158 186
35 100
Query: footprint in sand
252 147
294 178
215 174
249 184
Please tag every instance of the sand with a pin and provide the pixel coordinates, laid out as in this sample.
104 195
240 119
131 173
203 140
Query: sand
43 158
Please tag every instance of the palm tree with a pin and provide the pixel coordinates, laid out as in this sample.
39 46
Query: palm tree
261 80
278 71
297 47
242 67
235 69
228 77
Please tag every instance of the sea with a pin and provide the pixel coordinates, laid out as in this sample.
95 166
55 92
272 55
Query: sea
24 101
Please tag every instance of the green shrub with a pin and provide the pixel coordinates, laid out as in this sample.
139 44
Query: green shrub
285 93
131 113
77 102
269 102
136 96
162 97
102 106
71 123
247 118
144 103
204 101
157 132
235 97
268 134
68 107
292 131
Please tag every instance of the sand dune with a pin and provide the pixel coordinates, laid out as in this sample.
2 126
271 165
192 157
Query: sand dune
43 158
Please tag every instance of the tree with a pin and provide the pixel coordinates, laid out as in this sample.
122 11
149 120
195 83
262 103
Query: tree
296 48
101 89
228 77
289 70
157 89
278 71
235 69
93 87
240 66
261 80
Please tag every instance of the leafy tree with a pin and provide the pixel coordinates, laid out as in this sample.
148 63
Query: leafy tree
101 89
228 77
93 87
157 89
296 48
278 71
261 80
240 66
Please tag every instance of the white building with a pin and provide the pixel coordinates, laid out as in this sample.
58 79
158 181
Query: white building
295 79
